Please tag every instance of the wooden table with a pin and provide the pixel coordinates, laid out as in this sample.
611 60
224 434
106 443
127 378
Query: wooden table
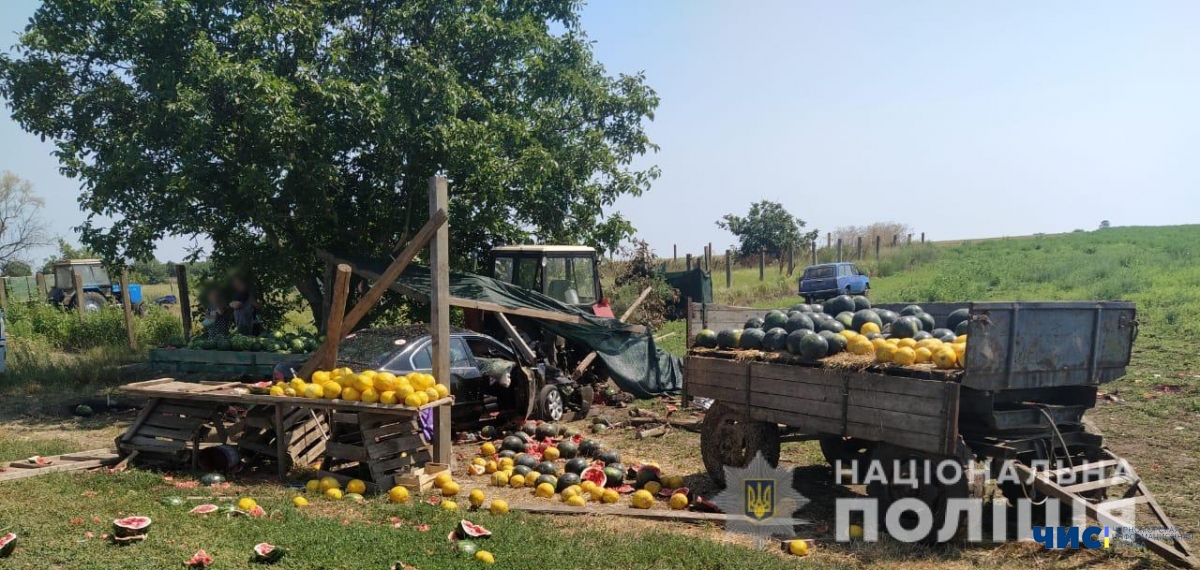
387 439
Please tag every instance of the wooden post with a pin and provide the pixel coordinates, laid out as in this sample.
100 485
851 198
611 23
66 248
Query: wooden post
674 252
708 258
762 264
128 308
688 260
839 250
728 268
4 293
829 239
878 238
439 315
185 302
339 293
40 279
814 252
909 239
895 239
858 251
922 237
78 283
791 260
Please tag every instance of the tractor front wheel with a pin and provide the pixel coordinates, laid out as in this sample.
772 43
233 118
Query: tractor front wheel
93 302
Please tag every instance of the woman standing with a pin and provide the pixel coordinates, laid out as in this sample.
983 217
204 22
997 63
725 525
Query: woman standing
244 303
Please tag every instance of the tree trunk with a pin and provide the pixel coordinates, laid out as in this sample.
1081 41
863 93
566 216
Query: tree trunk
310 288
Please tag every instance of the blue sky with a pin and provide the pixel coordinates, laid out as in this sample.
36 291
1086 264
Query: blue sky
961 119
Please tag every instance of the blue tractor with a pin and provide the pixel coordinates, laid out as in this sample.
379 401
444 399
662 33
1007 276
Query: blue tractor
98 288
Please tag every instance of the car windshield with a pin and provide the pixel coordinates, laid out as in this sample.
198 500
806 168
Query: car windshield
819 272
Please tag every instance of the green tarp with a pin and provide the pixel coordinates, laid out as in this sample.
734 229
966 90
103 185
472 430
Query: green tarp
634 362
695 285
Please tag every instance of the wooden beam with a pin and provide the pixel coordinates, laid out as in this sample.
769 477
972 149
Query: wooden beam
439 315
78 284
381 284
185 302
128 308
337 312
591 357
526 352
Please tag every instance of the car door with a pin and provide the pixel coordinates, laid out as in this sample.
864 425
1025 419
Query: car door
463 371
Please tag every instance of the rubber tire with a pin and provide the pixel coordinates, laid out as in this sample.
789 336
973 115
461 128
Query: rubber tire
848 449
544 406
726 439
936 496
93 302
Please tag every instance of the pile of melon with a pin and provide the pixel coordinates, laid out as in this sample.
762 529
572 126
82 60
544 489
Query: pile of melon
850 324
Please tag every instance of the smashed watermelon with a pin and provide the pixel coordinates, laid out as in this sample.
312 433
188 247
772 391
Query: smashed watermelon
204 509
200 559
469 530
266 553
595 475
7 543
134 526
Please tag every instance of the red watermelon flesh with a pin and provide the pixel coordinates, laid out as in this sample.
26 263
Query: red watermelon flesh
204 509
469 529
7 543
257 512
595 475
267 552
131 526
200 559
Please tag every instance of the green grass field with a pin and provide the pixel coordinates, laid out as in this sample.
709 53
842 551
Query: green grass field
1149 418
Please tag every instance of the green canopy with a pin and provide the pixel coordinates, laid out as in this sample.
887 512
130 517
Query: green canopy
634 362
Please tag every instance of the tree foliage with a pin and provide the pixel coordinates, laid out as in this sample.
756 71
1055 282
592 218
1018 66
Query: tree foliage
21 225
277 128
16 268
768 226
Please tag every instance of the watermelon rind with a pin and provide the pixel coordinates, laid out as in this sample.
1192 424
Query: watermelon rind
131 526
7 543
470 530
204 509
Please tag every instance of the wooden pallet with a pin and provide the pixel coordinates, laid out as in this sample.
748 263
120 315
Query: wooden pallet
78 461
383 448
305 434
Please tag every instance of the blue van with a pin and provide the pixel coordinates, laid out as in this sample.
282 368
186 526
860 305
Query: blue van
832 279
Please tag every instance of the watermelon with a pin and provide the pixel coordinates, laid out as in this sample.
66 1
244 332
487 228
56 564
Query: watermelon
817 307
801 308
774 319
506 453
614 475
961 328
546 468
906 327
940 332
886 317
752 339
576 465
836 342
551 479
529 428
948 337
470 530
921 335
596 475
798 321
204 509
513 443
706 339
729 338
775 340
927 322
567 449
7 543
795 338
210 479
589 447
753 323
839 304
832 325
646 474
873 336
173 501
466 547
266 553
864 316
846 318
522 470
861 302
566 480
813 347
609 456
911 310
956 317
546 430
525 459
200 559
131 526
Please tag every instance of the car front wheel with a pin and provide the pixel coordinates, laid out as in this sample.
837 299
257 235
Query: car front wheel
551 403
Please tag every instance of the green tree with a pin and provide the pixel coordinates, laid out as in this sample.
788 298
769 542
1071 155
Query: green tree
767 226
21 225
17 268
276 128
67 250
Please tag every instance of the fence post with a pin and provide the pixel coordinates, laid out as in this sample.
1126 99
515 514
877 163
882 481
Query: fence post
909 239
4 293
674 252
858 252
791 260
878 238
40 279
185 302
78 284
813 246
688 260
128 308
728 268
829 239
895 239
439 315
839 250
922 237
762 264
708 258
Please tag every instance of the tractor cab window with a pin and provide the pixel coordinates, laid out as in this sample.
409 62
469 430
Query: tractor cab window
503 269
583 276
528 274
571 280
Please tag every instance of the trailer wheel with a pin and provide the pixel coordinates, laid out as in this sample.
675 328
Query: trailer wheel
854 454
905 470
727 438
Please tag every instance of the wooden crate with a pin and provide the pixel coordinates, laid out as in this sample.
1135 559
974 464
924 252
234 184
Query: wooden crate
305 432
170 431
384 448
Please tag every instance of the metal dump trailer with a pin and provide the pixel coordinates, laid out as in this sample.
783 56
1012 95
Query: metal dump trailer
1032 371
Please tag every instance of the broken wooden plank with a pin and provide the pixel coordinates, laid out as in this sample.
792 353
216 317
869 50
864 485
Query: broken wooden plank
70 462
